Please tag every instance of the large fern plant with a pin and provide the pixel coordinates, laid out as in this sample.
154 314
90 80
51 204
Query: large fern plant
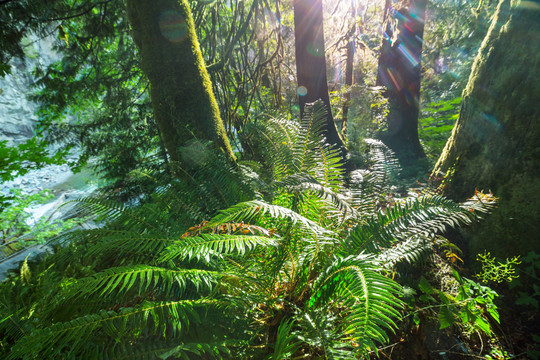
301 271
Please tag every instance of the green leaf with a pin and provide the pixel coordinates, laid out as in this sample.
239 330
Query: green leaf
286 342
456 276
446 317
6 318
425 286
4 69
427 299
483 324
492 310
416 318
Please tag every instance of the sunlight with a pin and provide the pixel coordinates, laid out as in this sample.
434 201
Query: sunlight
269 179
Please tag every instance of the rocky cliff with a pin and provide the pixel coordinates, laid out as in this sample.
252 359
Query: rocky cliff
17 113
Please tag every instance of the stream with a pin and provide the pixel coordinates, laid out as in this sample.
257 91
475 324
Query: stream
65 186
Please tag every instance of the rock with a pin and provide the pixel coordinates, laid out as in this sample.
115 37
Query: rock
15 261
17 116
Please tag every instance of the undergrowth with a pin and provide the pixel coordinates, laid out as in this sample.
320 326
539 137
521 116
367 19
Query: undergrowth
297 264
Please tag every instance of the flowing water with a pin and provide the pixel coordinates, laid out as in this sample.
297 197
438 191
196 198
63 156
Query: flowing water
65 186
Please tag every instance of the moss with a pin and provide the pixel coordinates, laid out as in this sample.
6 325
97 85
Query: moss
512 229
181 91
497 135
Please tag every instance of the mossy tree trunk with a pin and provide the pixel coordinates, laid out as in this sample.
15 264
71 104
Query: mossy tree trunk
399 72
311 63
180 89
495 144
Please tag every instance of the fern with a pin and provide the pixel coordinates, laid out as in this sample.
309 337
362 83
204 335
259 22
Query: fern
306 183
207 245
292 265
286 342
165 350
249 210
424 216
385 166
110 211
138 280
72 339
412 250
371 299
293 148
319 333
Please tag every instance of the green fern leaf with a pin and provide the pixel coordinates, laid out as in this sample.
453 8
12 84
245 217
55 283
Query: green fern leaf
206 246
74 338
371 297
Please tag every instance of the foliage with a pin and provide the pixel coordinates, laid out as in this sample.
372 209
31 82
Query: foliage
471 305
306 274
527 285
19 230
282 264
96 97
453 34
14 218
18 160
368 110
476 304
436 124
497 272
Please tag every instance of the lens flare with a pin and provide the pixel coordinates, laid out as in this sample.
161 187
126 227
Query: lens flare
396 79
301 91
529 5
407 55
173 26
316 49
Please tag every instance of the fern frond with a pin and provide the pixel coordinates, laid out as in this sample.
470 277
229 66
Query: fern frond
424 216
308 137
319 331
129 246
330 168
276 137
305 182
172 350
412 250
138 280
170 196
74 338
13 324
371 298
480 202
286 342
311 153
206 246
385 164
110 211
249 210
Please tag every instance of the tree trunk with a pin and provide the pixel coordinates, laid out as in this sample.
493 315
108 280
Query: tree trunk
181 92
495 144
311 62
349 65
399 72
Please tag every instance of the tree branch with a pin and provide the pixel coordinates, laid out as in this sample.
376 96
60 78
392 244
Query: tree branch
72 16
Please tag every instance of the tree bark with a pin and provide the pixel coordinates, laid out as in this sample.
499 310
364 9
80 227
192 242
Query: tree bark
181 92
495 144
311 63
399 72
